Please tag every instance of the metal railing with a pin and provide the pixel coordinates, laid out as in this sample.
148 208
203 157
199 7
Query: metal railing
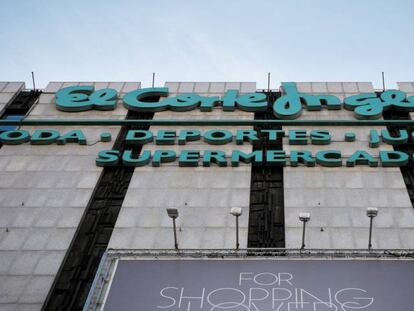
283 253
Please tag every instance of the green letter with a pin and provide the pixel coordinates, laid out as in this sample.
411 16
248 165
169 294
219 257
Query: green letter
138 137
218 137
162 156
365 106
246 135
374 139
330 158
298 137
237 156
320 137
394 140
165 137
361 157
229 100
107 158
75 136
214 156
44 137
189 158
276 157
393 158
289 105
81 98
207 103
134 100
304 157
183 102
252 102
142 160
188 135
16 137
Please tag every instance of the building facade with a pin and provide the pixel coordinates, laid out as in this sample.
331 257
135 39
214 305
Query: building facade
66 219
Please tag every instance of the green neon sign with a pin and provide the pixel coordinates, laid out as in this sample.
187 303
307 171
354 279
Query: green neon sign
289 106
211 137
207 158
194 158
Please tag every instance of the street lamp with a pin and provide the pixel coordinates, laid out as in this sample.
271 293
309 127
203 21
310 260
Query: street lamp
304 217
237 212
173 213
371 213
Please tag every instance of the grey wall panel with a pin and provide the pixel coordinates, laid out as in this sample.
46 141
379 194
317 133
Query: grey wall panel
337 198
407 87
46 107
8 91
44 191
203 196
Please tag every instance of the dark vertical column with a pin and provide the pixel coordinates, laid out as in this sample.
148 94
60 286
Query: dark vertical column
406 171
266 219
75 277
18 108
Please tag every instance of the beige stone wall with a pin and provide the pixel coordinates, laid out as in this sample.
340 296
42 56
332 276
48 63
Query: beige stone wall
44 191
203 196
337 198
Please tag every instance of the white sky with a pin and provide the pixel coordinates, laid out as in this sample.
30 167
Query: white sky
215 40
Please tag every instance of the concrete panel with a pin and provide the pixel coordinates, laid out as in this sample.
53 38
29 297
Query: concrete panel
46 108
203 196
13 87
186 87
337 198
406 87
43 194
6 98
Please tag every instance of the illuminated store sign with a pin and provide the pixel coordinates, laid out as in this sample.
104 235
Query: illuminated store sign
330 158
288 106
261 285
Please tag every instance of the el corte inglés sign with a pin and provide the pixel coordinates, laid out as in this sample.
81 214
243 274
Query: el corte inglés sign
365 106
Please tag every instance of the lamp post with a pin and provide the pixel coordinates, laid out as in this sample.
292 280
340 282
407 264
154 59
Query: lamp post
237 212
371 213
304 217
173 213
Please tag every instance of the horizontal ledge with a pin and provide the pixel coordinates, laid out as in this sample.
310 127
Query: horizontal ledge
170 122
255 253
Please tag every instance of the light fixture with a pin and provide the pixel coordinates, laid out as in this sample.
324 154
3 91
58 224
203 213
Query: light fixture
371 213
237 212
304 217
173 213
